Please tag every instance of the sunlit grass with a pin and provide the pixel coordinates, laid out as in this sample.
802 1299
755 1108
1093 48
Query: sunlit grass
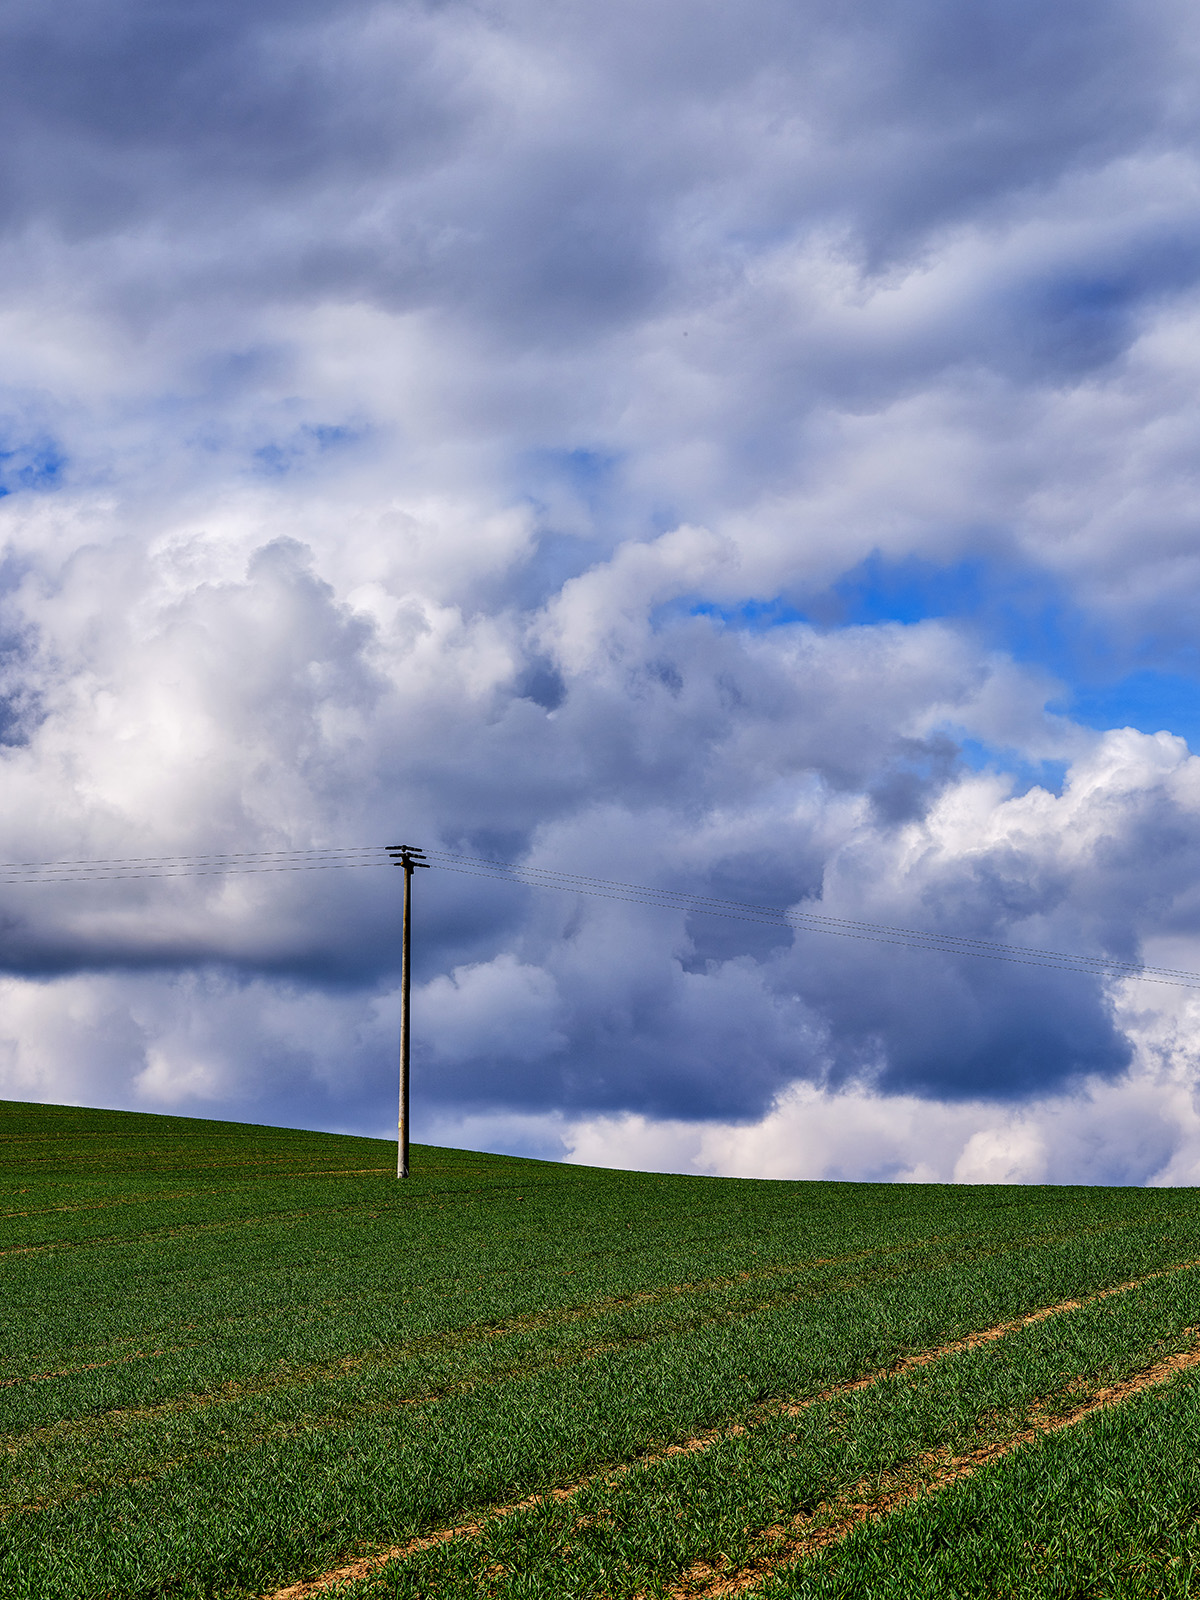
235 1357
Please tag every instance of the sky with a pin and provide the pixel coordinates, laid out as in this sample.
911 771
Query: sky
750 451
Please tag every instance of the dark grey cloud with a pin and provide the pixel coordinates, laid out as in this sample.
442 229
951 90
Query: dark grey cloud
560 174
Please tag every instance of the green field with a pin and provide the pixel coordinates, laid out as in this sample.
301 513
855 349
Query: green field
238 1359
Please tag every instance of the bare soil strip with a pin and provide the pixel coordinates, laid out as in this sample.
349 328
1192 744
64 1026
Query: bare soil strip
186 1229
291 1375
806 1536
344 1366
91 1366
182 1230
189 1194
471 1529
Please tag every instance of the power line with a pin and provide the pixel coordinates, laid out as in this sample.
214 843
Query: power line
206 855
197 866
330 857
844 927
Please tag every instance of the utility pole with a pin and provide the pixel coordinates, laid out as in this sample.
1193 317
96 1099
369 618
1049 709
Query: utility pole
408 857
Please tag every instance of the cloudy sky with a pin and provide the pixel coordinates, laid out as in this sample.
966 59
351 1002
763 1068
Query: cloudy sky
743 449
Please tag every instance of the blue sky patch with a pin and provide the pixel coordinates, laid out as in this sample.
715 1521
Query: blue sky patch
1149 701
38 466
982 757
1015 608
282 456
1145 683
1010 606
588 476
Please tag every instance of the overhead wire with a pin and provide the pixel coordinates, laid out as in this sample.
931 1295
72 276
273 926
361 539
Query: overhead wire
190 866
842 927
330 857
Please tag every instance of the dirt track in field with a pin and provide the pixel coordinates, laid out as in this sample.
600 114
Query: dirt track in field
796 1536
342 1367
807 1536
292 1374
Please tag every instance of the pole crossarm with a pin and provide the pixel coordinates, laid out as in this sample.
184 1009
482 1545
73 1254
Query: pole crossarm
407 856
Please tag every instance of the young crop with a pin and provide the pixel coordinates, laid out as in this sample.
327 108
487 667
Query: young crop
237 1360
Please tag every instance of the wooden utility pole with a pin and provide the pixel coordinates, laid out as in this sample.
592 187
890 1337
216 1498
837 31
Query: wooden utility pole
408 857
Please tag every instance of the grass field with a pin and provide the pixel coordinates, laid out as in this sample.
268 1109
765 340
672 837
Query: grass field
246 1362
